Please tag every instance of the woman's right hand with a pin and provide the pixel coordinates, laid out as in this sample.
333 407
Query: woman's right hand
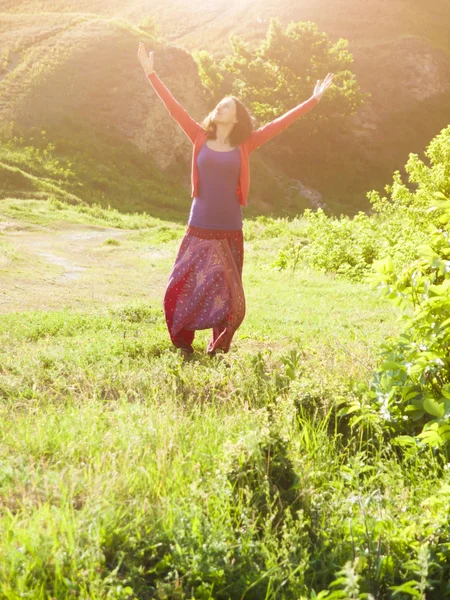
146 61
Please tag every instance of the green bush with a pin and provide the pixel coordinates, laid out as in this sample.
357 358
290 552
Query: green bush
349 247
413 381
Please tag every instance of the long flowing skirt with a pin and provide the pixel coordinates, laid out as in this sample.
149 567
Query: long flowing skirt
205 288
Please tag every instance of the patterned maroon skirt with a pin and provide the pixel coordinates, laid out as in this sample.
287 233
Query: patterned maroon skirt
205 288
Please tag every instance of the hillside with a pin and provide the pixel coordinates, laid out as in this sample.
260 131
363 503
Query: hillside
71 70
73 81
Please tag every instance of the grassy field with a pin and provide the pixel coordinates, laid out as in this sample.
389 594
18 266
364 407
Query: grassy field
128 473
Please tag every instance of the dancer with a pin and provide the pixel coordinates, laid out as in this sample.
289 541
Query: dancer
205 289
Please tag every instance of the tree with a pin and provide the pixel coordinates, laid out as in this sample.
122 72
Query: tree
282 71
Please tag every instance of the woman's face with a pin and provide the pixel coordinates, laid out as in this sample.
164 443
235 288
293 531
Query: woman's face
225 111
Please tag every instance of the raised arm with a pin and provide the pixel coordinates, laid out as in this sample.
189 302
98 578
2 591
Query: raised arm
270 130
177 112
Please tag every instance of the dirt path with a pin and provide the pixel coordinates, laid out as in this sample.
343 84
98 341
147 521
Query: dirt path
73 267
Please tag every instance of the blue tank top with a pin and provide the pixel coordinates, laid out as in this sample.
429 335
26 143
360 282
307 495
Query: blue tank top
216 205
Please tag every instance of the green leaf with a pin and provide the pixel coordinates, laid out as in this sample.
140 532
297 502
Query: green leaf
426 250
444 432
322 594
408 394
390 365
383 265
430 435
405 440
440 195
433 407
406 588
348 410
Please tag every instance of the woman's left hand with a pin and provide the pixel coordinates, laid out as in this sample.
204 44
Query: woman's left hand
321 86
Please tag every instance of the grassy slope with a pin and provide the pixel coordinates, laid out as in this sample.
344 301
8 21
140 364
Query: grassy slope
123 450
350 173
96 163
125 178
181 22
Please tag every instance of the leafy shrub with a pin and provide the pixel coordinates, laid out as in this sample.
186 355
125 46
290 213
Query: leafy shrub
345 246
413 381
350 246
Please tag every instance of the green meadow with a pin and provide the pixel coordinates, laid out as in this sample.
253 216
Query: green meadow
128 473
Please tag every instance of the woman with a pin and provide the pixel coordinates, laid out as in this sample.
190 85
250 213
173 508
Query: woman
205 290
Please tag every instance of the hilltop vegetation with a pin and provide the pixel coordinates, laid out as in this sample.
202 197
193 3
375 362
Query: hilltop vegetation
78 71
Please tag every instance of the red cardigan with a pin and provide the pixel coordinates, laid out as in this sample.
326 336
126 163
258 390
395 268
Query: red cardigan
197 134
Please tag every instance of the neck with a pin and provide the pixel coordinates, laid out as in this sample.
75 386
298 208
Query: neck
223 131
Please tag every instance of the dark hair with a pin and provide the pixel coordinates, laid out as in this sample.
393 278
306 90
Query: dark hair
241 130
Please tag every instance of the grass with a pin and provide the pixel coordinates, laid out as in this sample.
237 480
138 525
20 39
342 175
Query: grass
56 213
125 179
127 473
